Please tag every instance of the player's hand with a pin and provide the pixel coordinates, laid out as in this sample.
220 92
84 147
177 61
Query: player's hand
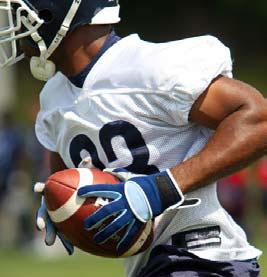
43 222
136 200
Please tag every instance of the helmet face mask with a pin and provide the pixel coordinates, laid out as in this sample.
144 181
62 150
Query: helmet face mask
17 21
46 22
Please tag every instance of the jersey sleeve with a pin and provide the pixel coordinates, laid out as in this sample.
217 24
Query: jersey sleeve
187 69
44 131
51 100
43 125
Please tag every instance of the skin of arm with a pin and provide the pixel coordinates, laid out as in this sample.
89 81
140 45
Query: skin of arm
238 114
56 163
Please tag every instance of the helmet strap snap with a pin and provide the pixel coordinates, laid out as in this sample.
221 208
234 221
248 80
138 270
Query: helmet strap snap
42 70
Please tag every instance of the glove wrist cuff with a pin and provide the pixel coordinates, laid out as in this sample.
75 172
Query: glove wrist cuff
170 193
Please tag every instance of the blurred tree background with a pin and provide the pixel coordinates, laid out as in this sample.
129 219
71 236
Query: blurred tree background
241 25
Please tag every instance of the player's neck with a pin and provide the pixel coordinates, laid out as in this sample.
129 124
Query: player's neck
80 48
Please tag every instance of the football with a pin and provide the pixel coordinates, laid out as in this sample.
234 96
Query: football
67 211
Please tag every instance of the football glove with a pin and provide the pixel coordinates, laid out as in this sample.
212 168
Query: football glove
43 221
136 200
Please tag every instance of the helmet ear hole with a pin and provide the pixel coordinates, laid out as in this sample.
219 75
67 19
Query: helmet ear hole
46 15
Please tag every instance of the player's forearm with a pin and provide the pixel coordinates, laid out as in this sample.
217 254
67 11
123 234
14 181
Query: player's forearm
56 162
238 140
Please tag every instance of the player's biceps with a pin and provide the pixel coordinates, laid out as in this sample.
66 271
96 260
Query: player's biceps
222 98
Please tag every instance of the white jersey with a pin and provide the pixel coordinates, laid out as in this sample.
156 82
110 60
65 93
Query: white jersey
133 112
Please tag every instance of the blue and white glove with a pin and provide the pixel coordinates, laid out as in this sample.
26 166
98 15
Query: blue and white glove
43 221
138 199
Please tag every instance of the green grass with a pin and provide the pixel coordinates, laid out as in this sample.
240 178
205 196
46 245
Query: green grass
20 264
262 245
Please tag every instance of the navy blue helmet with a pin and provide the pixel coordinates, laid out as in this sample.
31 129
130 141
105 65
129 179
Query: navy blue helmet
47 22
53 12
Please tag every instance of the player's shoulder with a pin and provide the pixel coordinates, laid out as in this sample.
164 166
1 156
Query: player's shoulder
189 50
203 41
55 93
142 65
135 43
207 45
133 46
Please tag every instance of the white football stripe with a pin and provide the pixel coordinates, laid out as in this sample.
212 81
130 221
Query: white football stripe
203 242
140 242
75 202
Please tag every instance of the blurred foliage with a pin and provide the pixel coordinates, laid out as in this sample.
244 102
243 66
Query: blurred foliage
240 24
28 89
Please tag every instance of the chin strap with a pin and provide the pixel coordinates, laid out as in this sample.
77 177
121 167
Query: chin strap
42 68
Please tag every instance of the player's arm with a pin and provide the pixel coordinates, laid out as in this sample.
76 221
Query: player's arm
56 162
238 114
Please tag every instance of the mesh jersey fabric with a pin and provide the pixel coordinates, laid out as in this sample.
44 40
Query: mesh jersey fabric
133 112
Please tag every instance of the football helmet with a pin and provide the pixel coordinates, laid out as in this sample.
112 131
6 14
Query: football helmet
45 23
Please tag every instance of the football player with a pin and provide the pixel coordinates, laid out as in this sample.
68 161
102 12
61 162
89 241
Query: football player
170 112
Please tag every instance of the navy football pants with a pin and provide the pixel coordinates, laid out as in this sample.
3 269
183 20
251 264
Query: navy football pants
170 261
